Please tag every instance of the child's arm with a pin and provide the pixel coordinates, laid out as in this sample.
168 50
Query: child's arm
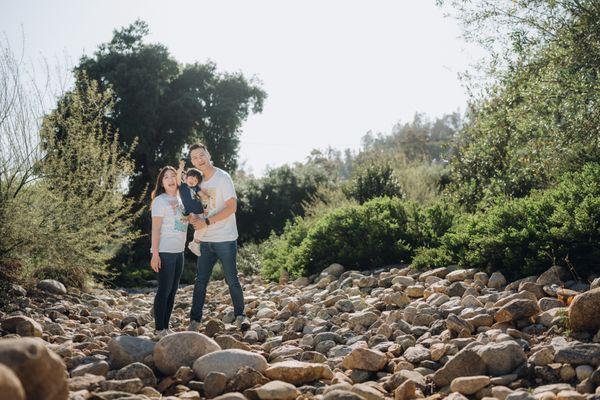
180 172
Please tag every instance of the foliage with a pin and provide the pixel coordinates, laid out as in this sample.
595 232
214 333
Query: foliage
380 231
522 237
418 140
265 204
540 114
248 259
163 106
70 213
82 206
377 180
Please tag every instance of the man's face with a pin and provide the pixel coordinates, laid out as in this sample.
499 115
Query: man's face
199 158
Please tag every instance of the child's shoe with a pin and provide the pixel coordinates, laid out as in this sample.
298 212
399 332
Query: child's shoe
194 248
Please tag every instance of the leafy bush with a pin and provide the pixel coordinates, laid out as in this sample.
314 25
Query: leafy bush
282 251
376 180
265 204
378 232
68 222
540 116
431 257
248 259
525 236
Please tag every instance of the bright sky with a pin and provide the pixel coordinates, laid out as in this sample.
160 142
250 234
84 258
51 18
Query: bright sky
333 69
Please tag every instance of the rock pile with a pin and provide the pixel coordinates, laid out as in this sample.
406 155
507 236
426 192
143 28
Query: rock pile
393 333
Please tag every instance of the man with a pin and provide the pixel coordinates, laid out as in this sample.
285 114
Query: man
219 241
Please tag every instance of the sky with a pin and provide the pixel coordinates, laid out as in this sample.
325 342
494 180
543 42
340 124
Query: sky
333 70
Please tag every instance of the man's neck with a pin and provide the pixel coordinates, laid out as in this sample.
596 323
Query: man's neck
208 171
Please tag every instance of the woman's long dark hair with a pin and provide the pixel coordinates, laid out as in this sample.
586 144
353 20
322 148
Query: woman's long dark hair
159 188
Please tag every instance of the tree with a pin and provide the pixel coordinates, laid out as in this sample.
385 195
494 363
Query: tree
266 204
376 180
80 205
539 113
162 106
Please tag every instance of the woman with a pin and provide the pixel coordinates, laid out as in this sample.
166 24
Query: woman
169 227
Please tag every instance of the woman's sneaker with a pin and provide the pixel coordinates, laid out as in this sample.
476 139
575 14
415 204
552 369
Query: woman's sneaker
194 326
194 248
161 334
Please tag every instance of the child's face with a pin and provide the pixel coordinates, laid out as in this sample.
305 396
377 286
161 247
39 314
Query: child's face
191 180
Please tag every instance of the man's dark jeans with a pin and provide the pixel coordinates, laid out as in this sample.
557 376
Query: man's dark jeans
210 253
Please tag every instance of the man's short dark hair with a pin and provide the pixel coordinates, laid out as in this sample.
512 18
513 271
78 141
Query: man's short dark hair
197 146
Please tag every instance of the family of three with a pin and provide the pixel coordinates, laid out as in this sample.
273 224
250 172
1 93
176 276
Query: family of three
206 199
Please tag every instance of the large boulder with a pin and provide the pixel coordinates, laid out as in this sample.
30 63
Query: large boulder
298 372
517 309
137 370
22 325
52 286
125 350
365 359
465 363
181 349
41 371
582 308
277 390
228 362
501 358
10 385
469 385
579 354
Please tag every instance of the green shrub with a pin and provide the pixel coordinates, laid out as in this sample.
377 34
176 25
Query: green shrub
281 251
525 236
431 257
378 232
248 259
376 180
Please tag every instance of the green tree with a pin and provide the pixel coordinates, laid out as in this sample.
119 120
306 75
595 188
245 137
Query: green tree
266 204
538 114
161 106
376 180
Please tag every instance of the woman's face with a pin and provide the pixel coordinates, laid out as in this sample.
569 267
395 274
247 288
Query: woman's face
169 182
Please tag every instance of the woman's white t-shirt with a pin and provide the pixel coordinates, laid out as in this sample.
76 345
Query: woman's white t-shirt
174 224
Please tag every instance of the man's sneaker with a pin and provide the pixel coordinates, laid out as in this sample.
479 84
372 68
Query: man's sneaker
194 326
242 322
194 248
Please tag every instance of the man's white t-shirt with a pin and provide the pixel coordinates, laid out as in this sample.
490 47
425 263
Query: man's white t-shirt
219 189
174 225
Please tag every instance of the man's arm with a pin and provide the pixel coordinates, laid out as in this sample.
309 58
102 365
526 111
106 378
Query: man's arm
230 208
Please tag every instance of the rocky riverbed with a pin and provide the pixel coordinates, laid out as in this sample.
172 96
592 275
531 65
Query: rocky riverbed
393 333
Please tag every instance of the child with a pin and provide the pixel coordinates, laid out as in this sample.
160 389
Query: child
194 199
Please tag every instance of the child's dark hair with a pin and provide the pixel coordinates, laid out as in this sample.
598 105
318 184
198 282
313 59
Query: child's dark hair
195 173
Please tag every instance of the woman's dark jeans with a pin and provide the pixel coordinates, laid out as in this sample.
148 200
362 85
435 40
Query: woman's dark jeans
210 253
171 267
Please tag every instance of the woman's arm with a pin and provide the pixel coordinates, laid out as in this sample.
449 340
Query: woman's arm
156 225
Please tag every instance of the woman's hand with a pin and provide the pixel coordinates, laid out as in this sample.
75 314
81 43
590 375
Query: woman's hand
155 262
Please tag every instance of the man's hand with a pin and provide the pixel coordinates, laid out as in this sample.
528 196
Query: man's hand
155 262
197 222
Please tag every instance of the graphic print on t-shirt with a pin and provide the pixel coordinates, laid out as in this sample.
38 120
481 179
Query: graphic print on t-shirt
212 200
179 222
